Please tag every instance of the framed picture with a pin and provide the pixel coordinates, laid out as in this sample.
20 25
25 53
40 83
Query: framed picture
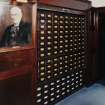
16 25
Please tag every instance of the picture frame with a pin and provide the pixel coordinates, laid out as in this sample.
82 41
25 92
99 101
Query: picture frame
27 17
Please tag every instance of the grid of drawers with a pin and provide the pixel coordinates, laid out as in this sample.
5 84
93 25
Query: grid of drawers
51 91
62 41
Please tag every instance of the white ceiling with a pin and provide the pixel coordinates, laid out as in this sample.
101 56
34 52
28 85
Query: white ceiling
98 3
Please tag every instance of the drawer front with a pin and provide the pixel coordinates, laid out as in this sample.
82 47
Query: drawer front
13 60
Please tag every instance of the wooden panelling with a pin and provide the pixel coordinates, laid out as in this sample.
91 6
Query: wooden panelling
98 45
17 64
16 69
16 59
16 90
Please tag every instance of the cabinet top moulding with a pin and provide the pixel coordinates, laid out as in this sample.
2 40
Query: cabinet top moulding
75 4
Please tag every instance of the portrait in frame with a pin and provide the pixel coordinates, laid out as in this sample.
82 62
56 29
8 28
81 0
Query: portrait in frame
15 25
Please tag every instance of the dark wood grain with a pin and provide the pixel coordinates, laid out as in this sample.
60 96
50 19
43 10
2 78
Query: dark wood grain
15 59
16 90
17 71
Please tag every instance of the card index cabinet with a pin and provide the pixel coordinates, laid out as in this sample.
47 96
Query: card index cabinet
61 54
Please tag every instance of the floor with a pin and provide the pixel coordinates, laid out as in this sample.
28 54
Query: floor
92 95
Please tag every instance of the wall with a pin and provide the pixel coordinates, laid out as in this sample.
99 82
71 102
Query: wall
4 0
98 3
